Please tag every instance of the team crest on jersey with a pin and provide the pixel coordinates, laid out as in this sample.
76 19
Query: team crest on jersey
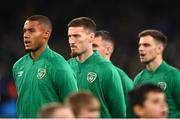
91 77
41 73
162 85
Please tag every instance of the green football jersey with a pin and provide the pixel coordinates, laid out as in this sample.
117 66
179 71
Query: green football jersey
127 85
101 78
168 78
47 79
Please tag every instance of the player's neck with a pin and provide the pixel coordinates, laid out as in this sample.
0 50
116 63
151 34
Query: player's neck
35 55
152 66
84 56
107 57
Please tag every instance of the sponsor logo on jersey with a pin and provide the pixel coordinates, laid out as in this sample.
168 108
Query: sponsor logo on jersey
162 85
20 73
91 77
41 73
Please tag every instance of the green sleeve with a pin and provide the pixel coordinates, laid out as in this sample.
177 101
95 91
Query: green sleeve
65 82
126 81
127 85
175 78
114 94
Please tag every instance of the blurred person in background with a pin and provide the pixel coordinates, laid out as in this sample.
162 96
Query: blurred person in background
84 105
55 110
104 43
148 101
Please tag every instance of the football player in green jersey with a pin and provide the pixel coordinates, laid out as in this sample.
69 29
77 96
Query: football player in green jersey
151 46
41 76
93 72
104 43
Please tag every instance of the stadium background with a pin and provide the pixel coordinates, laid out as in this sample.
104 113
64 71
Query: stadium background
123 18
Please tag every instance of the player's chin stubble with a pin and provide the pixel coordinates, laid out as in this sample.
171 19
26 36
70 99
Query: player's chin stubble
74 54
31 50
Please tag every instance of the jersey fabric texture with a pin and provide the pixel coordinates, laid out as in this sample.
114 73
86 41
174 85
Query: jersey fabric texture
127 85
168 78
47 79
101 78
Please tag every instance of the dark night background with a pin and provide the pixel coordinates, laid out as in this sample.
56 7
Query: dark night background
123 18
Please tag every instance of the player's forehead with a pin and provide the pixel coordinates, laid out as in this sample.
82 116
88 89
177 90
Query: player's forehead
76 30
146 40
31 24
92 107
151 96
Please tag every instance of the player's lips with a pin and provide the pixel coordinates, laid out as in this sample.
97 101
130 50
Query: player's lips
142 54
27 43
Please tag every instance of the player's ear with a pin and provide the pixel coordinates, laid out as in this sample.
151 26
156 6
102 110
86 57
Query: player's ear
108 50
160 48
138 110
91 37
46 34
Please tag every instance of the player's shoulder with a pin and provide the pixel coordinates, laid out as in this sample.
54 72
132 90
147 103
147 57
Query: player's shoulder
172 74
172 71
55 57
122 73
106 68
104 63
21 61
119 70
139 74
56 61
138 77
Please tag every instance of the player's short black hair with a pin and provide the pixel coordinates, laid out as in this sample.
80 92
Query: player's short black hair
137 96
156 34
106 36
42 19
84 22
